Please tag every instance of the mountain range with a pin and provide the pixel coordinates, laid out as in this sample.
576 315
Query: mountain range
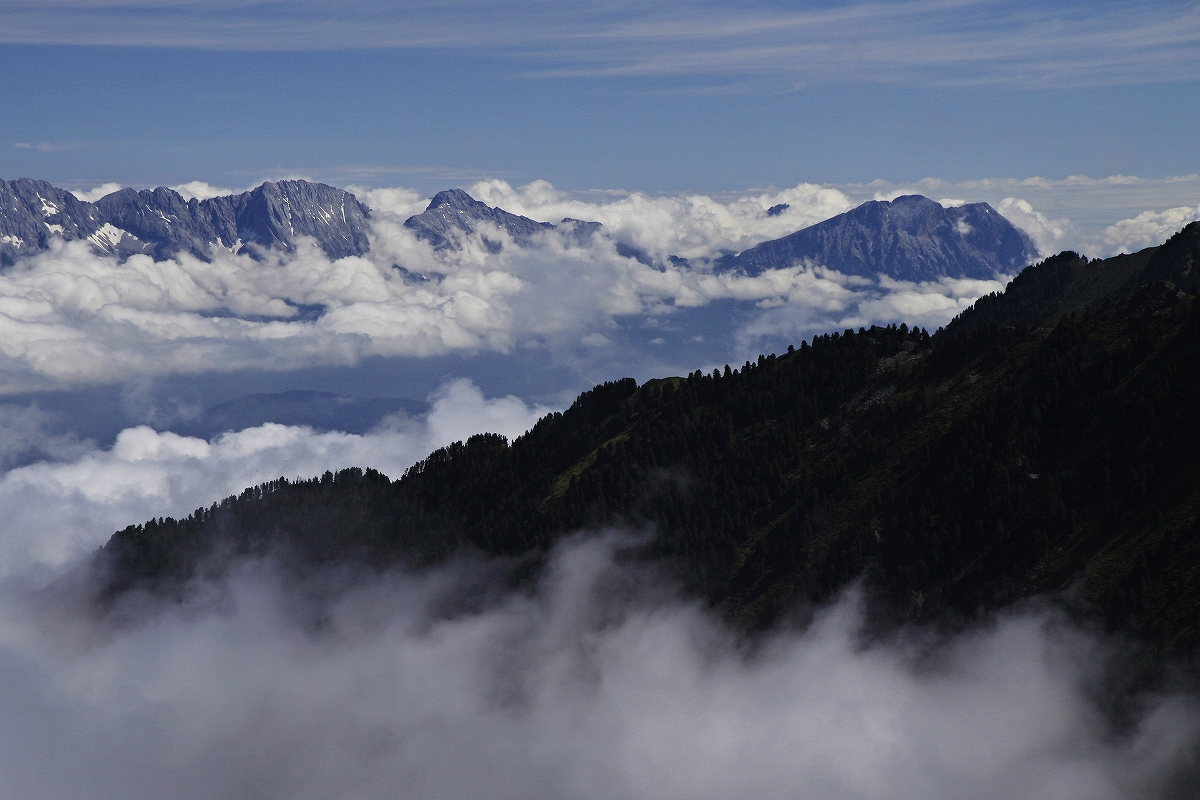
1046 441
910 238
161 223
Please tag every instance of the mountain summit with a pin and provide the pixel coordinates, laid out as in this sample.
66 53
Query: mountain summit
911 238
453 214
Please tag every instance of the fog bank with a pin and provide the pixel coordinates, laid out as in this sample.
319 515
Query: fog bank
600 683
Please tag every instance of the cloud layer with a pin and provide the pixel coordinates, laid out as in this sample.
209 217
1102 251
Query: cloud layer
597 684
1148 228
70 317
691 226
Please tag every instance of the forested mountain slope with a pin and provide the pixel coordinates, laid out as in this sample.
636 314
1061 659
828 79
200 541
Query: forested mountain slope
962 471
1070 282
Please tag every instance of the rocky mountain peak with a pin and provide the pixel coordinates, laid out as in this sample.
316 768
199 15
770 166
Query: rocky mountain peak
909 238
454 215
454 198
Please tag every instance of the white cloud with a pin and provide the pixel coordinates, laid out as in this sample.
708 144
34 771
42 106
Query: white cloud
378 686
1048 234
94 194
822 300
398 202
49 147
70 317
76 496
1148 228
200 190
690 226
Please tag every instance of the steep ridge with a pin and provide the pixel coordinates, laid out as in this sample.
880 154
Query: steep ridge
960 472
911 238
160 223
1069 282
32 212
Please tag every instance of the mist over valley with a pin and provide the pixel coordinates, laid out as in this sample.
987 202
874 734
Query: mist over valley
688 400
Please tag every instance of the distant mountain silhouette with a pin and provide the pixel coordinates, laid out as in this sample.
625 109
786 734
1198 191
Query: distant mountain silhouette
322 411
33 212
911 238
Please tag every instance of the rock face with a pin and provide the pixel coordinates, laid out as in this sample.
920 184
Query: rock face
910 238
160 223
32 212
453 214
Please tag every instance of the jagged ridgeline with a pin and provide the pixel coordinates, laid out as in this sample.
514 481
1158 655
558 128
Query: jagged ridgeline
1016 452
162 224
911 238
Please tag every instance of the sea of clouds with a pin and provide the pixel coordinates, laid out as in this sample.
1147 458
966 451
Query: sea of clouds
70 317
598 682
63 497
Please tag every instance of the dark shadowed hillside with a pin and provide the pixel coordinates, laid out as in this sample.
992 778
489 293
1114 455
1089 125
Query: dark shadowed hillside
1046 439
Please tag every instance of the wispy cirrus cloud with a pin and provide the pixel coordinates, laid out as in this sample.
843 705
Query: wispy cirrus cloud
49 147
918 41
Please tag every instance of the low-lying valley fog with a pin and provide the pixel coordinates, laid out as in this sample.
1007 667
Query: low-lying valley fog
598 681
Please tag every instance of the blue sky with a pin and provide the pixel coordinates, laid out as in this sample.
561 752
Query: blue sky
694 109
671 97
